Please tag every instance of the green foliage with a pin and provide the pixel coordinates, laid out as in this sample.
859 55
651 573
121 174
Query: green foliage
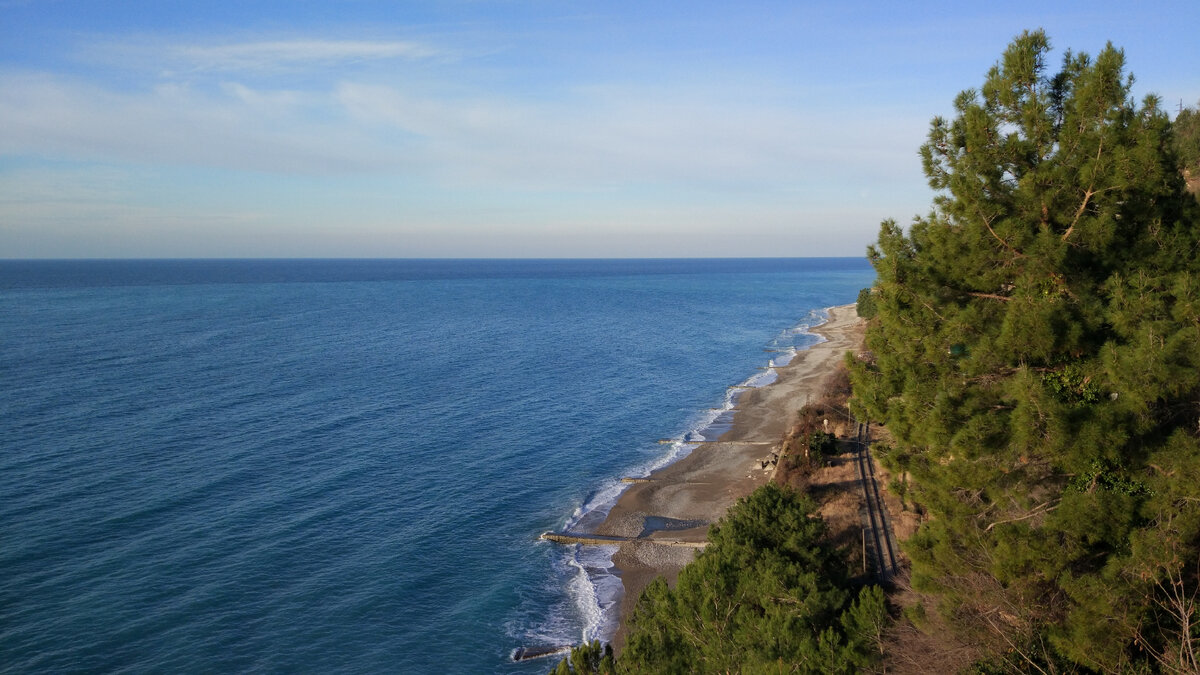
1187 138
1071 386
768 593
587 659
822 444
1105 475
1036 356
807 445
866 304
1032 656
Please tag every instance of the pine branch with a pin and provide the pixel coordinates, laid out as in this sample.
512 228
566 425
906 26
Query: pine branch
1087 195
987 222
1041 510
990 296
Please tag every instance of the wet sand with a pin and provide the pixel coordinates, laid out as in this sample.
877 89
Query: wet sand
684 498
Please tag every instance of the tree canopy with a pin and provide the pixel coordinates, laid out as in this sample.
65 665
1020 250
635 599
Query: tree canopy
589 658
768 594
1187 140
1036 356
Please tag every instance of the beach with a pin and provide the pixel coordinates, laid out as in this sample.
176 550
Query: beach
668 515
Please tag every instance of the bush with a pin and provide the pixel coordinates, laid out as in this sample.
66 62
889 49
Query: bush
587 659
769 591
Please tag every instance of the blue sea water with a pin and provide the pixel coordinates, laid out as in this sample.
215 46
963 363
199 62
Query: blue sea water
344 466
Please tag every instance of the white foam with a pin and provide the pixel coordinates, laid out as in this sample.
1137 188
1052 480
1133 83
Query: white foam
762 379
599 593
595 507
702 427
561 625
595 590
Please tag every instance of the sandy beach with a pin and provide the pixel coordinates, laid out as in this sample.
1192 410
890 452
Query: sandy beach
681 500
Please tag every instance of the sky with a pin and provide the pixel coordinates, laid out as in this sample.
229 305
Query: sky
505 129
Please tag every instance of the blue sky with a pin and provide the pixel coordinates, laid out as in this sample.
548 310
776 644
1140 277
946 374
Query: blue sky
502 129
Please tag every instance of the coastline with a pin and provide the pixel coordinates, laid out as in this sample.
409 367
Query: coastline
678 502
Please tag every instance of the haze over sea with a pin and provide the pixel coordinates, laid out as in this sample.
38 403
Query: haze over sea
343 466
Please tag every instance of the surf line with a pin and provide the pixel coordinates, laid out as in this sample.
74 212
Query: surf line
767 376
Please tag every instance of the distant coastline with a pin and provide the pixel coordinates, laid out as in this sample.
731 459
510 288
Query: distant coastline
682 499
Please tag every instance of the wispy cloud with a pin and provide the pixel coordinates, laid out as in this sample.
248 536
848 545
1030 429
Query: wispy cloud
584 139
424 146
171 57
266 55
629 135
233 127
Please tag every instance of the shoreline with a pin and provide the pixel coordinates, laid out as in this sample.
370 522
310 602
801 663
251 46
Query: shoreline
677 502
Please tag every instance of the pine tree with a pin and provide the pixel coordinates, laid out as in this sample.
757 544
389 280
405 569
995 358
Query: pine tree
768 594
1036 355
1187 139
588 658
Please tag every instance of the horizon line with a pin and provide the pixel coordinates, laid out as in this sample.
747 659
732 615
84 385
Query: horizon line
421 258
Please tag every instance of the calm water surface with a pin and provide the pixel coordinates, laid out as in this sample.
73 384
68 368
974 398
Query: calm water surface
343 466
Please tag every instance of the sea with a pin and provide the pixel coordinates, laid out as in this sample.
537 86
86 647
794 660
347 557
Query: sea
344 466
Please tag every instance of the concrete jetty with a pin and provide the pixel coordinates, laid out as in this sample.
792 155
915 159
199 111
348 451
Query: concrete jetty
530 653
667 441
593 539
605 540
733 442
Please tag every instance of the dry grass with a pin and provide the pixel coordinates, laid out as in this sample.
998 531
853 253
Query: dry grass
932 647
918 641
835 488
827 414
832 481
905 520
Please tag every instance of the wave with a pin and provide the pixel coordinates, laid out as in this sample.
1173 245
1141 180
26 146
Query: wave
593 586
